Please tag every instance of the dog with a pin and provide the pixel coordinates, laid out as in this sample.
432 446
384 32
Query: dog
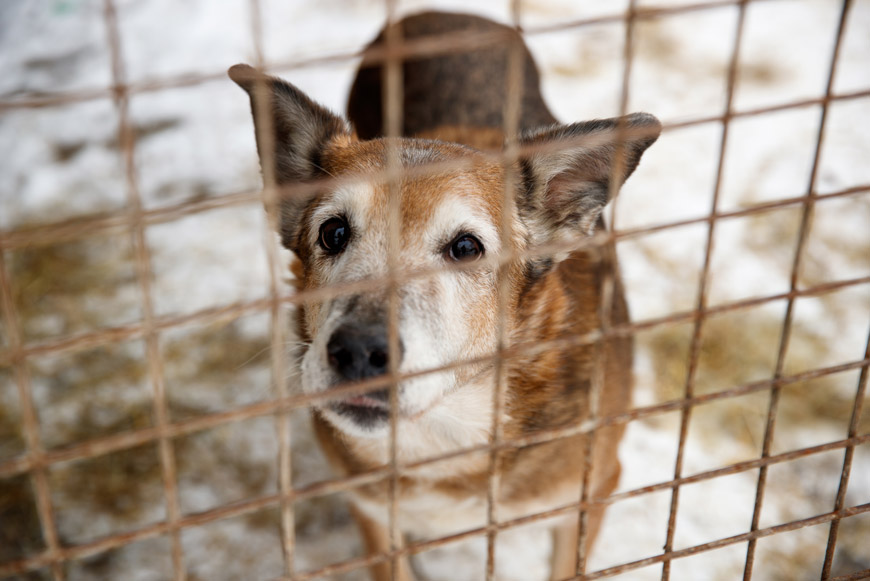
484 286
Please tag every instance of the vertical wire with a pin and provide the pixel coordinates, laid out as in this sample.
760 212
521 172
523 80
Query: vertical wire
392 90
606 250
701 305
30 423
840 502
271 202
143 271
29 416
803 234
511 121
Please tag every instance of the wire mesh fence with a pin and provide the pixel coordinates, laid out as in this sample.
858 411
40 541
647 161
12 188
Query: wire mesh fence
112 453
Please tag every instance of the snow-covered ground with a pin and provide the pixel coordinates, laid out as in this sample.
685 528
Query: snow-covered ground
196 142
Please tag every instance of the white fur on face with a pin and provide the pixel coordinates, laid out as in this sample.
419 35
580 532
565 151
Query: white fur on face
353 202
437 312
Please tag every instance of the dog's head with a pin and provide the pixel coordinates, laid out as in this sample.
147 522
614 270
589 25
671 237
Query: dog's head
448 242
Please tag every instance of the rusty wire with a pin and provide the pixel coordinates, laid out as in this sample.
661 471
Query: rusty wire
135 220
235 310
127 143
703 287
104 445
392 89
608 284
806 219
270 199
845 473
510 122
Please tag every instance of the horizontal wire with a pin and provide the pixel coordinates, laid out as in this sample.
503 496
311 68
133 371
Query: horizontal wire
246 506
238 309
126 440
23 238
99 446
411 48
865 574
90 226
427 545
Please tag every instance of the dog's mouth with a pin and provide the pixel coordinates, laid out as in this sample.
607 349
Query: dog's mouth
368 409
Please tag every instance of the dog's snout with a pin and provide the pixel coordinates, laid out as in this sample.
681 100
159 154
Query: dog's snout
359 352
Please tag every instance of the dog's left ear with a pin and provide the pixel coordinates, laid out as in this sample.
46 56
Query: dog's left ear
567 172
292 133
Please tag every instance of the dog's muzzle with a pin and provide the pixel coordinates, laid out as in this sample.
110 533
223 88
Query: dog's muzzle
356 352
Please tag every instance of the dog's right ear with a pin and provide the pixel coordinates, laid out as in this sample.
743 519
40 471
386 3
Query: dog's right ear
568 172
292 132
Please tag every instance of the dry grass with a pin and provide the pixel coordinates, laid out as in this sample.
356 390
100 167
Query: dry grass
83 286
73 287
20 535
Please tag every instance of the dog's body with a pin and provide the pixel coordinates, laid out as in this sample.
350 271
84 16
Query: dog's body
452 216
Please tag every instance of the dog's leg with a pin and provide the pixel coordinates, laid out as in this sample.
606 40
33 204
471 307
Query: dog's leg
565 534
564 550
376 538
565 541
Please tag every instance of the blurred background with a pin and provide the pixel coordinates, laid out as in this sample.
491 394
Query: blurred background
71 268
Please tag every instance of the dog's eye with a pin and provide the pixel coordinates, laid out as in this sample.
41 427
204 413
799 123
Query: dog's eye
334 234
465 247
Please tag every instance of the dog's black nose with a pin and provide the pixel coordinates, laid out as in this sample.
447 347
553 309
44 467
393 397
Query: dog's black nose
359 352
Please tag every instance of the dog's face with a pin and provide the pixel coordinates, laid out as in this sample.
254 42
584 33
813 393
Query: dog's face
448 242
448 238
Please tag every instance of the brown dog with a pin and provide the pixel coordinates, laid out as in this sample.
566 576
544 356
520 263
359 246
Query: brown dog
450 220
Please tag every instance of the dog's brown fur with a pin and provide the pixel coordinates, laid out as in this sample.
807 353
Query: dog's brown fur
459 98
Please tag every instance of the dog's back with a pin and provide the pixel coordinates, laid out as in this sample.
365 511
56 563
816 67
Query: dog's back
458 93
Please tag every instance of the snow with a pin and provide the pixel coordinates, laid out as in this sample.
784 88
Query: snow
196 142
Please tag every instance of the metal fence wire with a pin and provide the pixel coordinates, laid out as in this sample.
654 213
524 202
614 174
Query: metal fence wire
40 475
